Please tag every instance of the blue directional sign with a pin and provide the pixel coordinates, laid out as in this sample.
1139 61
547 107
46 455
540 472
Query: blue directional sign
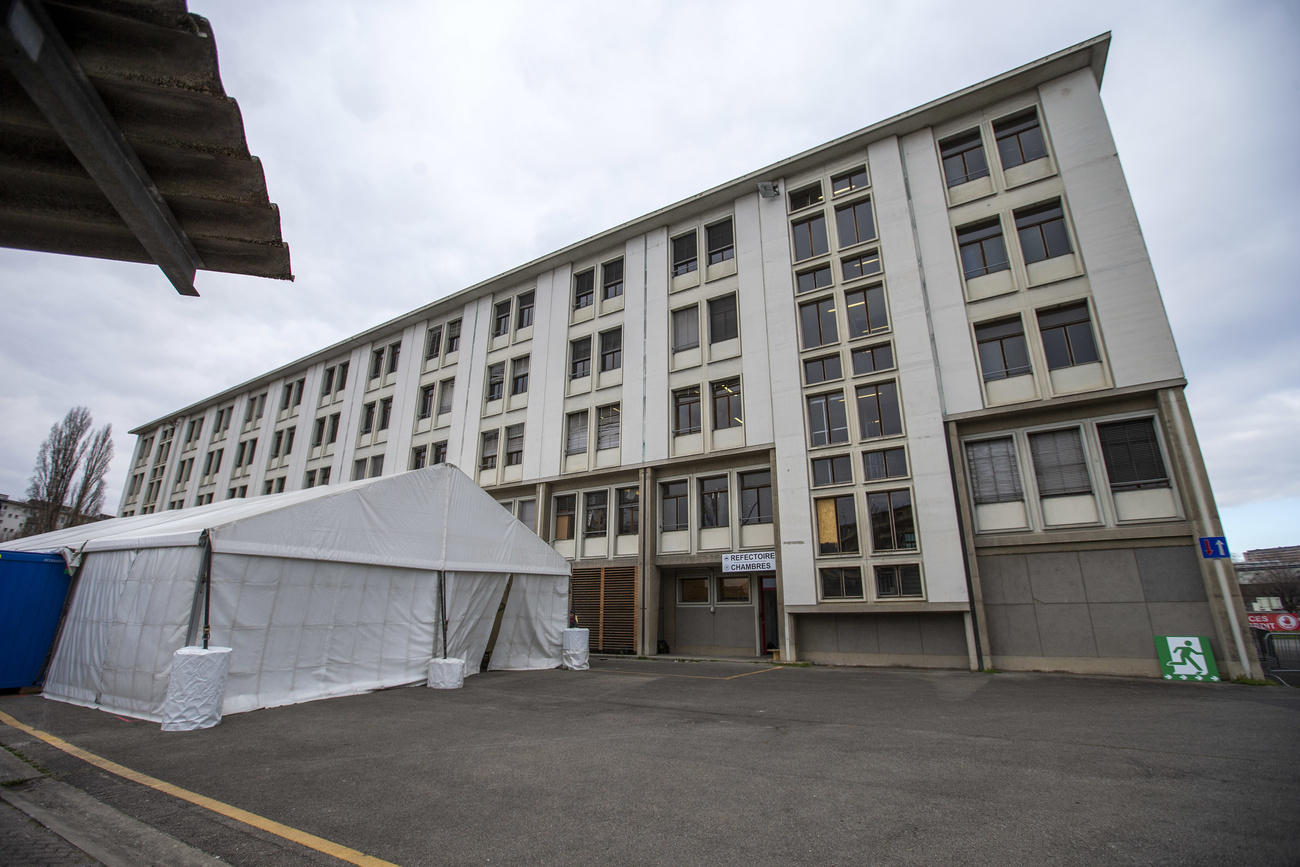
1214 548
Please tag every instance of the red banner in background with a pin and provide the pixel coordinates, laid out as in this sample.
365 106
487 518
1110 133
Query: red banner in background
1275 622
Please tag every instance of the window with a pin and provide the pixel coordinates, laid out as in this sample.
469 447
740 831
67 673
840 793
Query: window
841 583
368 418
884 464
341 380
211 464
611 279
439 453
445 390
723 324
327 382
853 179
519 375
860 266
854 223
426 400
694 589
251 412
288 441
358 469
609 422
575 433
611 350
432 342
686 328
832 470
566 506
713 502
1002 349
727 409
892 525
526 512
376 466
994 473
686 411
334 430
376 364
719 242
981 248
309 480
394 351
580 358
901 580
453 335
1067 335
813 279
1020 139
1132 455
866 310
595 508
629 511
584 288
318 433
684 254
514 445
823 369
827 421
733 588
873 359
524 311
837 525
810 237
673 502
419 457
963 158
385 412
878 411
817 322
501 319
1059 465
806 197
491 441
756 497
1042 232
496 381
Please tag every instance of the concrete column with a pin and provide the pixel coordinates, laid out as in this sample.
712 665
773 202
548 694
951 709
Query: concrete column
648 592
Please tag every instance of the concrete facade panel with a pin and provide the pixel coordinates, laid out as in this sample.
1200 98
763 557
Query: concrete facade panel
1004 579
1111 575
1180 618
1065 630
1122 629
1055 577
943 634
1013 630
1170 574
900 633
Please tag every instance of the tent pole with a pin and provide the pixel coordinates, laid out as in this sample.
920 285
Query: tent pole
207 590
442 608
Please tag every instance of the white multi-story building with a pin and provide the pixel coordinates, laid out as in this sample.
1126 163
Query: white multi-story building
925 367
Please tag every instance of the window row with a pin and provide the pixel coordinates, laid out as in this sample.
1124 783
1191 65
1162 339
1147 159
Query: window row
595 513
577 429
862 312
864 360
843 183
384 359
893 581
490 447
726 404
584 284
890 520
608 343
878 465
1066 333
713 501
723 323
878 408
719 247
1040 229
495 386
445 338
1019 140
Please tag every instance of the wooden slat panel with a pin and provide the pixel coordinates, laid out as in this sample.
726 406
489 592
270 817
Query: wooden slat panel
584 588
604 601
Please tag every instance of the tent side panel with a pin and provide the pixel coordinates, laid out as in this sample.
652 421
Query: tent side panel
129 614
472 602
303 629
532 626
32 590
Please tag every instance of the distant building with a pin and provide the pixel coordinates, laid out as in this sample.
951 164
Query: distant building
1270 579
14 515
922 373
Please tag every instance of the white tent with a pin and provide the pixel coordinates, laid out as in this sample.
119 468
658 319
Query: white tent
324 592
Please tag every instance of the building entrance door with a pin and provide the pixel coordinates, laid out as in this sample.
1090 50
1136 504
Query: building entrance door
768 627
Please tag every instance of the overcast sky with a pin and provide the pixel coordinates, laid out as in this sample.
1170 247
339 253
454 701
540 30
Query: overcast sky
417 148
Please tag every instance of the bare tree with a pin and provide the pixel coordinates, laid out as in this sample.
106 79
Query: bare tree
68 480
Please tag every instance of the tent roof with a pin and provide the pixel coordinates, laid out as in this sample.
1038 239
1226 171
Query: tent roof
435 518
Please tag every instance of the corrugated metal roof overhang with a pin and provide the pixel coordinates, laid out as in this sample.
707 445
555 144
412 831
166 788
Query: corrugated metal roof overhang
153 65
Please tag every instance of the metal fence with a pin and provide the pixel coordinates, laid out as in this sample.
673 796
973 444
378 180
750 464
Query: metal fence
1279 656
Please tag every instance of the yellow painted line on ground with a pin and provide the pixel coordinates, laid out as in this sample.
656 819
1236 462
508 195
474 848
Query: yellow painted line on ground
311 841
689 676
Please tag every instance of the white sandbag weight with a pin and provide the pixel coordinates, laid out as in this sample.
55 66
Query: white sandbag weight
574 653
446 673
195 689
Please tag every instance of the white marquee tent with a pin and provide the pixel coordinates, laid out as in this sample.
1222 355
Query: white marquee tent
323 592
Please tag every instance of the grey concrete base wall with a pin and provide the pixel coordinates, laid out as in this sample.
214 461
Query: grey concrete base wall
922 640
1092 611
726 631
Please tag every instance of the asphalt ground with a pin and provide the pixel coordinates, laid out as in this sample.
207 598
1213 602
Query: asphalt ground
642 761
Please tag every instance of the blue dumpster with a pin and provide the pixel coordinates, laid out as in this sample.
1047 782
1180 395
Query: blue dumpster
32 590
